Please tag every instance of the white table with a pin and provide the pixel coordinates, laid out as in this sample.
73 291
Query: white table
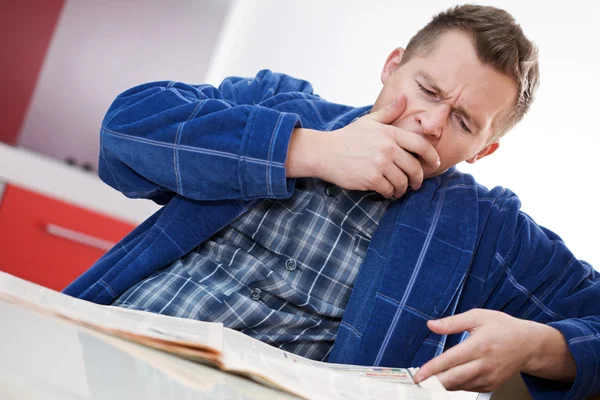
46 358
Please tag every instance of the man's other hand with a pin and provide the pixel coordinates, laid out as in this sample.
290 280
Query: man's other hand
499 346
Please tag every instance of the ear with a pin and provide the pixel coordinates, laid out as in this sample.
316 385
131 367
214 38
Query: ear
486 151
391 64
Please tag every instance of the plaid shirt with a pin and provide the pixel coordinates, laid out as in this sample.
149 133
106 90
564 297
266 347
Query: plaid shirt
282 273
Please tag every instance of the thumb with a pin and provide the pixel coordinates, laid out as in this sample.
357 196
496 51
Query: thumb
390 112
455 324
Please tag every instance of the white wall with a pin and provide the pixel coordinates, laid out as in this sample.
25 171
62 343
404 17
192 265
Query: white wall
340 46
101 48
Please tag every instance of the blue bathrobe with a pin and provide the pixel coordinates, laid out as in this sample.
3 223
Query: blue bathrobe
209 154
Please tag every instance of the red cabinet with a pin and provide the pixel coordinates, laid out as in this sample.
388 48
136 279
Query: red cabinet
51 242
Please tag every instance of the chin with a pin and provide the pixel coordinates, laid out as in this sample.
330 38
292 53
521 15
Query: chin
430 173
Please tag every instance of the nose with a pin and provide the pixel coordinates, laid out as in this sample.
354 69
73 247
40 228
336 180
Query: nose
433 119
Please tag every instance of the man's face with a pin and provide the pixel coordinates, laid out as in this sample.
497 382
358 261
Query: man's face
453 100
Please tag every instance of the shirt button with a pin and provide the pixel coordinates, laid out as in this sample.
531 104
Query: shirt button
290 264
331 190
255 294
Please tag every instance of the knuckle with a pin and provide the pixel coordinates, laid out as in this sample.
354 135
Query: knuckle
452 381
399 193
452 360
488 382
481 388
388 150
450 323
492 386
401 188
401 180
371 180
380 160
385 189
487 371
484 348
414 170
398 134
489 388
400 184
494 377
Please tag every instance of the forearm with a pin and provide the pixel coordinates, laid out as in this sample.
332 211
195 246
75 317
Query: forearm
303 153
550 357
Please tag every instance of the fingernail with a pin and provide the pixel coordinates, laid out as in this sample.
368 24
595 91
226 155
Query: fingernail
437 164
395 101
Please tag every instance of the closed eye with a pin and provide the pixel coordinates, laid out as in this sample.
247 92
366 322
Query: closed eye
462 124
426 91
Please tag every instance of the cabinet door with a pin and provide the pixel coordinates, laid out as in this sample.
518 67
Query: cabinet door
51 242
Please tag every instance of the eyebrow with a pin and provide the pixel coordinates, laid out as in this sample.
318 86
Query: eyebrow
460 109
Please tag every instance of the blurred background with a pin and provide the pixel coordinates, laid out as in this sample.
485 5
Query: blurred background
64 61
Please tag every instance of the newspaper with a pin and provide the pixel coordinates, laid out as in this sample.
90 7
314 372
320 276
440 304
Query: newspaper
226 349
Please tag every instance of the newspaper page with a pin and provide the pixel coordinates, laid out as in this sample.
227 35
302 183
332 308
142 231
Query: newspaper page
210 382
227 349
188 338
317 380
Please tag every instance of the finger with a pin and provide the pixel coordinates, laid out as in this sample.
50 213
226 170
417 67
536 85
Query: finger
384 187
457 355
462 377
398 180
389 113
417 144
457 323
410 167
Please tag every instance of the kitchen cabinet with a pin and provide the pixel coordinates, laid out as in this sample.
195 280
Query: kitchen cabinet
49 241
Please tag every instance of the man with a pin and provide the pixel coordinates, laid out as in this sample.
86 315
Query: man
346 234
